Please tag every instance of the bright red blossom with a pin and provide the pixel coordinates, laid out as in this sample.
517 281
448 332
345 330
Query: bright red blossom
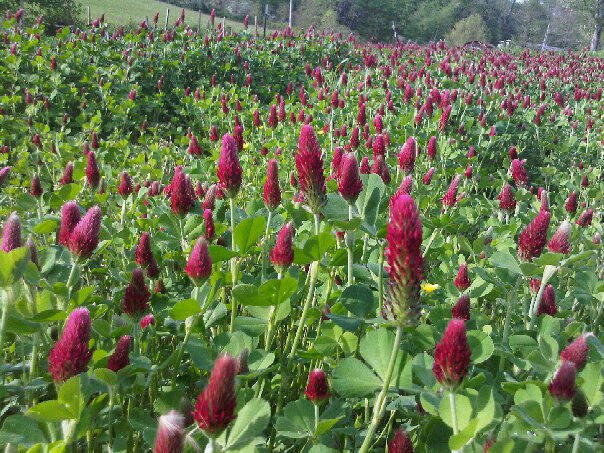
405 262
400 442
272 190
562 386
282 255
215 407
229 170
199 265
70 354
317 389
119 359
137 295
452 355
170 436
533 238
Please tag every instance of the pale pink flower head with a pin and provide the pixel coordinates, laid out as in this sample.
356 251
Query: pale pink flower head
11 233
559 243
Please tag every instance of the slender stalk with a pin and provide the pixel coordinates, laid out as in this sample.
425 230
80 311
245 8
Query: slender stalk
123 213
432 236
234 270
314 270
316 418
265 244
271 322
380 402
576 443
71 279
211 446
350 248
380 280
6 300
453 414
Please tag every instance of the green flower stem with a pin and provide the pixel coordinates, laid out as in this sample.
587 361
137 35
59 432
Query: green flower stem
271 322
234 270
350 248
123 213
380 402
432 237
71 279
6 300
576 443
380 280
548 273
314 270
316 420
265 244
453 414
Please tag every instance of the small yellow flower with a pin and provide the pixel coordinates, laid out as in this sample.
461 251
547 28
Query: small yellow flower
246 145
321 132
429 287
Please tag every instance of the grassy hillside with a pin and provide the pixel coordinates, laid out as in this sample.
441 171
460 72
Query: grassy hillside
119 12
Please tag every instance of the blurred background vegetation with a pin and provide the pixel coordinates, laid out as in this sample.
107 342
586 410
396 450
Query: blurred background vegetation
570 24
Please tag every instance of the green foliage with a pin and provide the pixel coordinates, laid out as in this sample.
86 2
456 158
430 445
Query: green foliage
472 28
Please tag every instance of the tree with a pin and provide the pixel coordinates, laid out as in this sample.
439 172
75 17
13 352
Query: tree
472 28
594 11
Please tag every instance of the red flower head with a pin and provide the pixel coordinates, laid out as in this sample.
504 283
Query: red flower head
452 355
229 169
11 233
209 220
272 191
571 203
547 305
70 355
381 168
577 351
119 359
406 186
147 320
513 153
534 285
405 262
93 176
33 250
533 238
137 295
125 188
194 149
282 255
431 150
584 181
336 161
462 281
461 309
199 265
519 173
85 235
450 198
273 121
94 140
143 254
209 201
400 442
238 137
354 138
585 218
182 194
365 168
215 407
67 174
379 145
317 389
562 387
559 241
444 118
506 198
70 216
378 124
4 172
309 164
35 188
170 436
350 184
427 179
468 172
406 157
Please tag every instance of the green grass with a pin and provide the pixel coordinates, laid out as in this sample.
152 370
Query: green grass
122 12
